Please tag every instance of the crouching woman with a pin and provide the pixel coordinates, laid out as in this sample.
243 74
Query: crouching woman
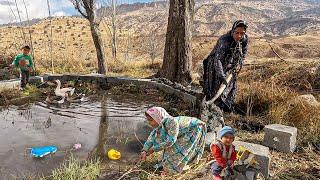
181 138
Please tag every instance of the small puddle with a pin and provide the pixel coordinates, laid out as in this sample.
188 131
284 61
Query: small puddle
99 124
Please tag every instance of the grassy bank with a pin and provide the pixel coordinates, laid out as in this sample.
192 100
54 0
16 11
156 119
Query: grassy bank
270 92
76 169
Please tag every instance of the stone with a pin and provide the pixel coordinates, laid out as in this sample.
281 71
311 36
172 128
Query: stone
55 77
212 116
164 88
143 82
310 99
9 84
13 83
113 79
87 78
70 77
280 137
102 80
170 90
36 79
261 152
46 77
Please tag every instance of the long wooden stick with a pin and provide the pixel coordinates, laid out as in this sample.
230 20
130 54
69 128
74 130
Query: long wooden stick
221 89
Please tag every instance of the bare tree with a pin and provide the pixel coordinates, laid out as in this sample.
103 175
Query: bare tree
177 60
51 39
24 37
16 20
114 30
87 8
129 46
152 45
111 9
30 36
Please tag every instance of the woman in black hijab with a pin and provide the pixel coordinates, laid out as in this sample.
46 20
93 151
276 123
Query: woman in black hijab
226 57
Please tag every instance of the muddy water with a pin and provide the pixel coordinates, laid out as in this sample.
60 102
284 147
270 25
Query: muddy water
99 124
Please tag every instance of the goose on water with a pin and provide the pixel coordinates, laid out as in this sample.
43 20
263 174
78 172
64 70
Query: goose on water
62 91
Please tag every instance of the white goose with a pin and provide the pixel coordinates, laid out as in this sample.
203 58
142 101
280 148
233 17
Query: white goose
63 92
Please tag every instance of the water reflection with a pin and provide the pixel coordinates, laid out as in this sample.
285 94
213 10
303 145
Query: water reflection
99 124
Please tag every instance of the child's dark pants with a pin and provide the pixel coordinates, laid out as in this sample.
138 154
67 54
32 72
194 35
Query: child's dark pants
216 169
24 77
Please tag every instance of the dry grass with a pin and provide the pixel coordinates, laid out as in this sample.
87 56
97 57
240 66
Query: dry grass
138 68
301 115
146 170
74 50
304 165
270 90
17 97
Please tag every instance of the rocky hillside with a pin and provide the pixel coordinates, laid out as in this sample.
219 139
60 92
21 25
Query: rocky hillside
143 25
214 17
267 18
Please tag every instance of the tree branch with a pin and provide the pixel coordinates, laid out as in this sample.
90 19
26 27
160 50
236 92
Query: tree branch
77 4
92 4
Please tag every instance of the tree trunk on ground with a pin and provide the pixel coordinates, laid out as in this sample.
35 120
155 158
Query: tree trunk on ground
177 60
96 36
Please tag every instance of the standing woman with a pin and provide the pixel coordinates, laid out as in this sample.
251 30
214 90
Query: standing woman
226 57
181 138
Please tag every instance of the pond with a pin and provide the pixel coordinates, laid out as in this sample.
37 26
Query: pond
100 123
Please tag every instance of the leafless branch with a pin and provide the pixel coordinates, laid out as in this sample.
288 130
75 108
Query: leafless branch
78 4
24 38
30 34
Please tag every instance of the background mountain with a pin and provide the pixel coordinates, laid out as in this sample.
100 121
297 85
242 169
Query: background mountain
214 17
292 28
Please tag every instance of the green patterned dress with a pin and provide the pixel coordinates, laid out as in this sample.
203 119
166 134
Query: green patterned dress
182 140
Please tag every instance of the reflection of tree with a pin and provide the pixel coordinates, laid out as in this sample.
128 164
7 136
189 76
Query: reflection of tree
104 123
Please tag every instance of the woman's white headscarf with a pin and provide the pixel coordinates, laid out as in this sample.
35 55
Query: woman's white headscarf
158 114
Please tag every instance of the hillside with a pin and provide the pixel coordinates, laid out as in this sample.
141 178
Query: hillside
290 27
213 17
266 18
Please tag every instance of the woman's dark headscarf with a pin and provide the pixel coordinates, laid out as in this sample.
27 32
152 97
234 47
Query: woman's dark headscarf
239 23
